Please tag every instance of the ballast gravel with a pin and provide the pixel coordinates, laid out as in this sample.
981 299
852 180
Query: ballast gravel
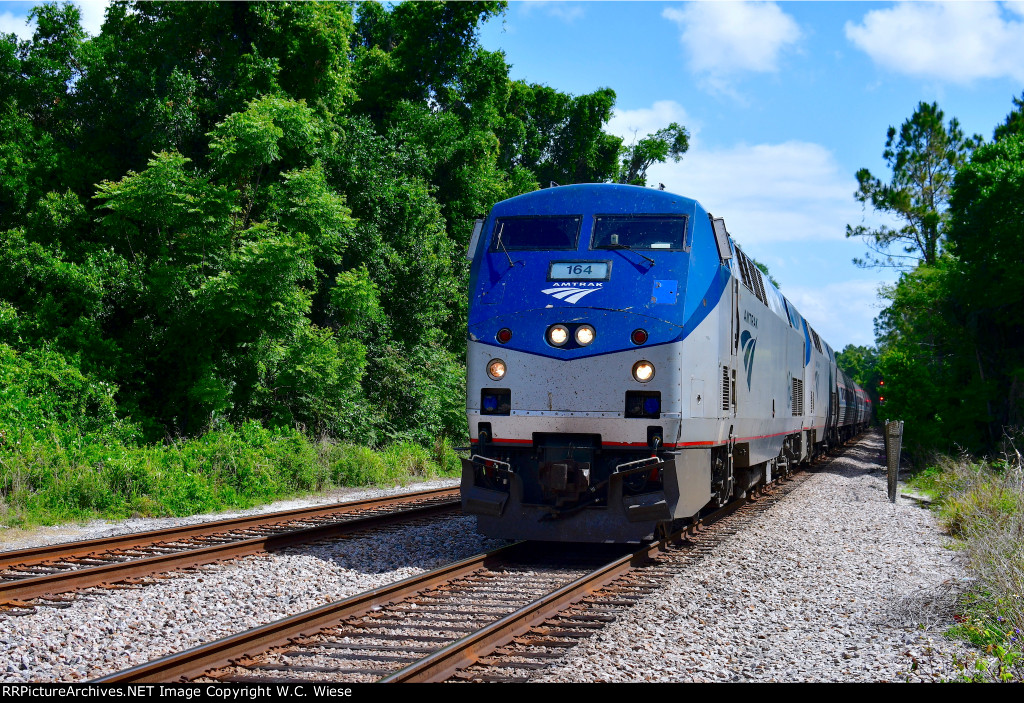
12 539
832 583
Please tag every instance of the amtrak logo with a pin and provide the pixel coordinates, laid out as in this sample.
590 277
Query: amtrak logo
571 294
748 342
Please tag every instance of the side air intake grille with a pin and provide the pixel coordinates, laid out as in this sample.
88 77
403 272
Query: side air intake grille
798 397
725 388
759 282
751 276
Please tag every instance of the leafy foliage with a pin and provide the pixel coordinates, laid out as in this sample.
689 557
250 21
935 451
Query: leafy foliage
249 217
949 339
986 236
671 141
1014 124
860 363
923 160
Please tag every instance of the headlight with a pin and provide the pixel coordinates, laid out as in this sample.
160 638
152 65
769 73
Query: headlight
496 369
643 371
584 335
558 335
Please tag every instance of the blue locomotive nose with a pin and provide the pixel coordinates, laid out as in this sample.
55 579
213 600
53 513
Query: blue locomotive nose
612 389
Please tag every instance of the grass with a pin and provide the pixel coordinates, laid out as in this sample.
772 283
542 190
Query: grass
981 503
51 481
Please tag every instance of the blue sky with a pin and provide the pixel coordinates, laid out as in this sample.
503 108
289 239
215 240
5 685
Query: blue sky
784 102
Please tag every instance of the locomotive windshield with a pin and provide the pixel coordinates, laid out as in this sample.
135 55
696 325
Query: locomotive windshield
639 231
536 233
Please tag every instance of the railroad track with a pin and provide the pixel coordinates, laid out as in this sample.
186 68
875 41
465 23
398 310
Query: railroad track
547 644
499 616
45 575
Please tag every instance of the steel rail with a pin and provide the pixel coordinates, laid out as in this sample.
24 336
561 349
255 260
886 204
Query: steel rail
65 581
63 550
436 666
237 650
198 660
440 665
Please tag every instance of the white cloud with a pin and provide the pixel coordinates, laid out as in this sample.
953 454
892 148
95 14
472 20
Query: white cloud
724 39
15 24
788 205
643 121
92 12
767 192
958 41
568 12
842 312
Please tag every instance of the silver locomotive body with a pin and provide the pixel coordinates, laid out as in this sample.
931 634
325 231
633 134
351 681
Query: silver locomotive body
628 367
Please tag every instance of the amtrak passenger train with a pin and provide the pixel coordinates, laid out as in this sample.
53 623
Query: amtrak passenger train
629 368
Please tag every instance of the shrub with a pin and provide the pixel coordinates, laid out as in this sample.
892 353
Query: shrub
46 481
982 504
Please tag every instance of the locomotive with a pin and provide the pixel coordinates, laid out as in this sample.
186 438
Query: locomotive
628 367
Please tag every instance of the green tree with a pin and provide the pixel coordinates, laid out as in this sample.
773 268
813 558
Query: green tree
923 157
987 236
1014 123
925 357
176 70
859 362
225 266
37 132
668 142
558 137
413 51
233 211
51 61
950 337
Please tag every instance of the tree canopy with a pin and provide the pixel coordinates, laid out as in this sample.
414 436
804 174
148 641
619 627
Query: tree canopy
213 213
949 341
923 157
671 141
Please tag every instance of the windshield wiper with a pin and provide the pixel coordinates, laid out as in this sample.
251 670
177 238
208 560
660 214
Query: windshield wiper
502 245
616 245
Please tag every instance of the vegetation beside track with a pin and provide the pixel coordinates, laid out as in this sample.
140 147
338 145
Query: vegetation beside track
61 478
981 503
